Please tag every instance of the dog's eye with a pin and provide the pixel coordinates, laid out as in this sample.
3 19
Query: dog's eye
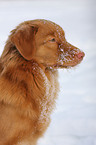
52 40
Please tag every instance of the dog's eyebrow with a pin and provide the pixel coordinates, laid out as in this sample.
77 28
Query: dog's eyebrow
51 33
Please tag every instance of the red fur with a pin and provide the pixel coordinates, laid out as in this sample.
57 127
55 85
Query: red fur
28 79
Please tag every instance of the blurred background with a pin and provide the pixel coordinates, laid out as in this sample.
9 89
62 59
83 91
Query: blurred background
74 120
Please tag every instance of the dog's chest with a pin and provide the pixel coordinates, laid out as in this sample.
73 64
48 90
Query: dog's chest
47 103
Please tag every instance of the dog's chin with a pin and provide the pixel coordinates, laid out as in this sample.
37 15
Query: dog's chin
61 64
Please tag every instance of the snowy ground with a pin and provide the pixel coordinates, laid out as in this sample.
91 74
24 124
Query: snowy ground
74 120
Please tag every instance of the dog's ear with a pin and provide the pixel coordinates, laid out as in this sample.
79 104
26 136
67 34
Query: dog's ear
24 40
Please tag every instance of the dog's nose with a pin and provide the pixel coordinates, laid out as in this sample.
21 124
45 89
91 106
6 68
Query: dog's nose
80 55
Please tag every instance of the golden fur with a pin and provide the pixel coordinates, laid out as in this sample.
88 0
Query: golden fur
28 79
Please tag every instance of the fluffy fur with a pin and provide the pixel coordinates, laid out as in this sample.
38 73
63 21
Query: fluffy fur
28 79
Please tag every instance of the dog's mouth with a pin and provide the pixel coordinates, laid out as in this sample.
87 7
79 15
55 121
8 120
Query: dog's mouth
71 60
68 61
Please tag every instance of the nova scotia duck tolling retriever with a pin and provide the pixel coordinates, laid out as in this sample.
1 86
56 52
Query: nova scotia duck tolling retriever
33 53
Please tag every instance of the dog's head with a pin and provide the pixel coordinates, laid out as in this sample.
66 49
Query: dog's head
44 41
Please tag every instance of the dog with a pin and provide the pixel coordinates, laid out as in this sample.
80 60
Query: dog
33 53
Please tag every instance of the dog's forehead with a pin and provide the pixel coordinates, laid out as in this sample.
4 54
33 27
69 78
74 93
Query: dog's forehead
49 27
52 26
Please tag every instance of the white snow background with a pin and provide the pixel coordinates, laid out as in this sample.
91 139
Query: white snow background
74 120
